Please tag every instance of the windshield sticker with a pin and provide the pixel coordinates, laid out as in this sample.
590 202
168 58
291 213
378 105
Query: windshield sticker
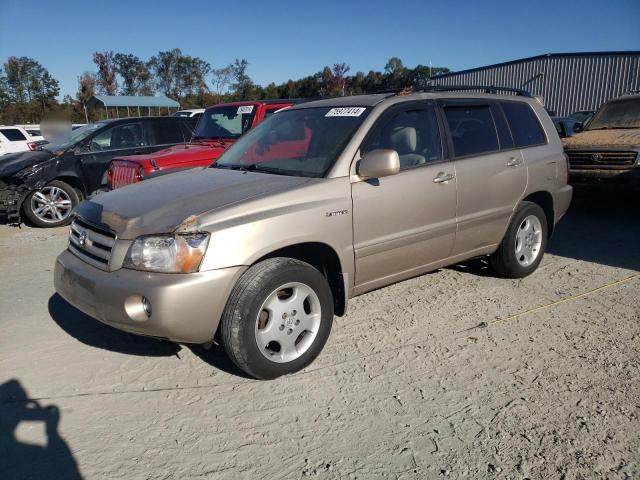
345 112
245 109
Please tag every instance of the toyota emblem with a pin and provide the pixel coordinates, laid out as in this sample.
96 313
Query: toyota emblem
596 157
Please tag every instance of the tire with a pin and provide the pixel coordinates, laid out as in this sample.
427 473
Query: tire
524 244
41 213
279 302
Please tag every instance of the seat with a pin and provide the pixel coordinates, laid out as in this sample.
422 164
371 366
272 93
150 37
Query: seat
404 140
123 138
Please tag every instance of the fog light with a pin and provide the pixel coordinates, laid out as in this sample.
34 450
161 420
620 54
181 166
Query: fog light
138 308
146 306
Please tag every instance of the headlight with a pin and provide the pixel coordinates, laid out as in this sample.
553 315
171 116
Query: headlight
181 253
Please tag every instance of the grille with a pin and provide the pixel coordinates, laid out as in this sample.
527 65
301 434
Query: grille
91 244
123 173
601 159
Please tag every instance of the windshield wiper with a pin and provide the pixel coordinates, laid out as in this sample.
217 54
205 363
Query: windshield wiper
255 167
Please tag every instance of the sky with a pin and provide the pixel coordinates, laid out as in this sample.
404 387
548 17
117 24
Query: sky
291 39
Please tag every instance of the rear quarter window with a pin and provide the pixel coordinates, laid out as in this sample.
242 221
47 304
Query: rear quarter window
13 135
524 124
472 130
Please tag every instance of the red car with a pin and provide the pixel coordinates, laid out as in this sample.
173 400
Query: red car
218 128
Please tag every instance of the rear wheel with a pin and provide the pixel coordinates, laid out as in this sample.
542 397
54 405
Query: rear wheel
524 244
278 318
52 205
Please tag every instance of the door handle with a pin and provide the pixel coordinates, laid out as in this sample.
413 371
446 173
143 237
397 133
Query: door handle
514 162
444 177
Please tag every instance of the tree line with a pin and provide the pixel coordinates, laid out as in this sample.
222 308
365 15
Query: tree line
28 92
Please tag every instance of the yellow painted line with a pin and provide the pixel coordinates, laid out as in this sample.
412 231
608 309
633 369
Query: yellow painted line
568 299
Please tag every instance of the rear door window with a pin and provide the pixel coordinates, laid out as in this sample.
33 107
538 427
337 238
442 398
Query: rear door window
525 126
472 130
13 134
166 131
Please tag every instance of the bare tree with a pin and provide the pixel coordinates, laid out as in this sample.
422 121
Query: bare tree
86 90
222 78
106 78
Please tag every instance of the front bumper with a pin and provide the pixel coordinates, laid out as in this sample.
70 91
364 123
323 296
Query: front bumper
185 308
11 202
602 176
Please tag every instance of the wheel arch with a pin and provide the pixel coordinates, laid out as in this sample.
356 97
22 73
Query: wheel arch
325 259
544 200
75 182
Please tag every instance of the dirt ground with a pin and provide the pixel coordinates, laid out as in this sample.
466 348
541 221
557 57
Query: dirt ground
452 374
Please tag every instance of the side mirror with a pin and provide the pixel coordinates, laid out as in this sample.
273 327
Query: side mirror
379 163
578 127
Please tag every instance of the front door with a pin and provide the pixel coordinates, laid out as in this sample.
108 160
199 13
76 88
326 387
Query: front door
120 140
405 222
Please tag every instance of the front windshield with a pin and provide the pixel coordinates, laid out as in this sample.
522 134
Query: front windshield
300 142
70 139
225 122
581 117
617 114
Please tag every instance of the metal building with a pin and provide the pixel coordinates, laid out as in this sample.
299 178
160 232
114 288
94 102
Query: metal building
567 82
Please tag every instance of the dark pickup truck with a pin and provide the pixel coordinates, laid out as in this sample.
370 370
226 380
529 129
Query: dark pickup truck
47 185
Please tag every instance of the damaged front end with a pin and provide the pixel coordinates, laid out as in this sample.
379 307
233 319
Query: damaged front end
11 199
20 176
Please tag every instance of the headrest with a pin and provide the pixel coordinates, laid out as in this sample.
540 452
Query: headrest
404 140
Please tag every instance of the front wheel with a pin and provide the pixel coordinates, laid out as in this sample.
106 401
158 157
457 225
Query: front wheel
51 206
278 318
524 244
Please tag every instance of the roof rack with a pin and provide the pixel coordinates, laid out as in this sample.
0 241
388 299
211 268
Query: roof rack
453 88
485 88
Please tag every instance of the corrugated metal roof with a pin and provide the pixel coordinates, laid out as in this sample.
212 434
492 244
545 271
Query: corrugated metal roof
537 57
567 82
132 101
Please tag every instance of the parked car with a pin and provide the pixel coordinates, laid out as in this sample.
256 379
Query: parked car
607 151
325 201
219 128
33 131
47 185
13 139
566 126
582 116
193 112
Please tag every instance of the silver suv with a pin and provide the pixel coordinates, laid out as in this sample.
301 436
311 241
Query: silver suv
324 201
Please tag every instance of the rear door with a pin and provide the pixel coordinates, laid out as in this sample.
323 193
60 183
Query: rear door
490 171
404 222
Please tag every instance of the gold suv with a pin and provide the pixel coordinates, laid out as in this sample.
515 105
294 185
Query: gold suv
322 202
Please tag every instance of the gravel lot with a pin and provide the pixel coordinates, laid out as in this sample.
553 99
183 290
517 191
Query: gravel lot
451 374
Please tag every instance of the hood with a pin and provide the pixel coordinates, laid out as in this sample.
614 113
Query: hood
174 202
184 153
615 138
14 162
